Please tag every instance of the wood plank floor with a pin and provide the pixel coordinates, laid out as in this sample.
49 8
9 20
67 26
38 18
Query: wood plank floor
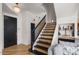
17 50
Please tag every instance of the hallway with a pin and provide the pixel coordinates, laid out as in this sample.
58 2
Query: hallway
17 50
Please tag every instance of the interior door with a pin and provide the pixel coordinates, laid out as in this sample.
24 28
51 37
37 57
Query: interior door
10 31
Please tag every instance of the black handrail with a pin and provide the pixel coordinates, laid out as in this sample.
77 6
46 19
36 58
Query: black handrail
40 21
34 35
38 24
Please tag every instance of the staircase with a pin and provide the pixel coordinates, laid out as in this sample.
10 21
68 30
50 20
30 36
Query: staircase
45 39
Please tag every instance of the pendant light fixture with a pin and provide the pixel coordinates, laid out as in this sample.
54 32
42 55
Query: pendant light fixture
16 8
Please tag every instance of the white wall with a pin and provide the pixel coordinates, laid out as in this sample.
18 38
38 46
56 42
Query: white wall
19 26
24 32
23 25
1 29
38 17
65 9
69 19
50 12
63 20
26 28
66 13
19 29
68 32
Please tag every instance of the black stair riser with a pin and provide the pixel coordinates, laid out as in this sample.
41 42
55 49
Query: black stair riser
45 38
50 24
38 53
48 29
46 34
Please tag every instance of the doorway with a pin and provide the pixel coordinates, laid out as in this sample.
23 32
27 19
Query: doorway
10 31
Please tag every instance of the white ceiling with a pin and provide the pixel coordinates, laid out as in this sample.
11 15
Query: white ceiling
61 9
65 9
35 8
50 10
7 10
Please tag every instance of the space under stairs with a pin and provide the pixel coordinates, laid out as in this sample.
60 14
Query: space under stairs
45 39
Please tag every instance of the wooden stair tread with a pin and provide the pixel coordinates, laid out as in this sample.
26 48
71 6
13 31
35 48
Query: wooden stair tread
44 48
49 28
41 50
43 42
48 41
44 45
47 31
49 37
47 34
45 39
50 25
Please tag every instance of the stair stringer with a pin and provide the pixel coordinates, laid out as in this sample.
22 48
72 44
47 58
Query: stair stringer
54 41
38 38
